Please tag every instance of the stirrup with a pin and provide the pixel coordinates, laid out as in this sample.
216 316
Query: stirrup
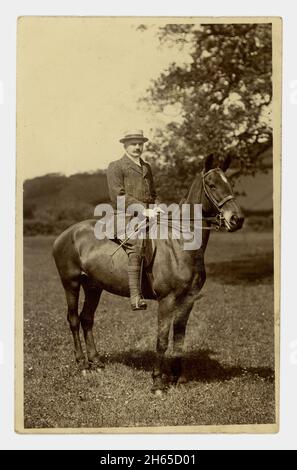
138 303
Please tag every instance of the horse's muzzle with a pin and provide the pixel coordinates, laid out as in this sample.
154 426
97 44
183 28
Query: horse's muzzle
234 223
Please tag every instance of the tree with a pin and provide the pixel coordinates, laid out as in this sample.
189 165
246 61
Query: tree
223 95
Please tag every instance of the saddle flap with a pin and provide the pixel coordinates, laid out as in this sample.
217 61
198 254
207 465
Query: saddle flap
148 252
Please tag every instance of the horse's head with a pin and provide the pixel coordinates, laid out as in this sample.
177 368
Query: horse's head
218 198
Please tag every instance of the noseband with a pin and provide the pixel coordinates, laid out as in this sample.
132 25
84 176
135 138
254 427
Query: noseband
217 204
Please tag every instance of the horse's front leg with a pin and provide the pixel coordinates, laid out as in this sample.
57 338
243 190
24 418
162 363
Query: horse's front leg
165 312
183 309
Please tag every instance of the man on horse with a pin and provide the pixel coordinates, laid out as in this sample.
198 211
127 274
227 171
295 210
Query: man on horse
132 177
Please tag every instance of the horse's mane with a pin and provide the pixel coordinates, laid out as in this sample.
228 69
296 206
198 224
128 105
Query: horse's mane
195 191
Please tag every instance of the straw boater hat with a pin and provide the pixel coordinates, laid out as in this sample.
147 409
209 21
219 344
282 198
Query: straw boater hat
134 134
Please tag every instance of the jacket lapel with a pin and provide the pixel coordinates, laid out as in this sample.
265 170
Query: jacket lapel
145 170
128 163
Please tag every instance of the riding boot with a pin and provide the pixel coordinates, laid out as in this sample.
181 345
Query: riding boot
134 265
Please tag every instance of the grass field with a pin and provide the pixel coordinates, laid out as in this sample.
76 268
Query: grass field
229 350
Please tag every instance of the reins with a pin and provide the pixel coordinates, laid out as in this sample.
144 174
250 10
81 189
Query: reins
216 222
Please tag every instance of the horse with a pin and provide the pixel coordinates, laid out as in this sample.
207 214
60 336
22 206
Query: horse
177 275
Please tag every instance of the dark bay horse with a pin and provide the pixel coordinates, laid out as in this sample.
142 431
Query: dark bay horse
178 275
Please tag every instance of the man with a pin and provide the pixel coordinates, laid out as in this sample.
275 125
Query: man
130 176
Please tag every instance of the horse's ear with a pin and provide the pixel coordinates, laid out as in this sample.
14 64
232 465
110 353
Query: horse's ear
208 162
225 164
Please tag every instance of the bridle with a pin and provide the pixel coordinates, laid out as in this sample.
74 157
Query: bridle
219 219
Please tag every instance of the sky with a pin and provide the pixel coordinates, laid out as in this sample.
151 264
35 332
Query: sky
78 83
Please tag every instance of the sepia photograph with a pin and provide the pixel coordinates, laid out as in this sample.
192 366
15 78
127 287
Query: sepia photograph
148 222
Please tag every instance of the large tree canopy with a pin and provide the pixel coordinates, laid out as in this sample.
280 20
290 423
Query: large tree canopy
222 96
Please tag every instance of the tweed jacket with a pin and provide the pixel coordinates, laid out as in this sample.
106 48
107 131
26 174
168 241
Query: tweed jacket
126 178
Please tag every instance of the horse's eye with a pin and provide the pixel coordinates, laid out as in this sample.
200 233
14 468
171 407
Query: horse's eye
212 186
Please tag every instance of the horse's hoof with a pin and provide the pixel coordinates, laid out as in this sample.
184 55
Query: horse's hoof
96 367
82 366
171 380
159 389
160 385
96 364
181 380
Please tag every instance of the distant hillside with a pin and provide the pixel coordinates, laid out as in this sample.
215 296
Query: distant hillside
54 201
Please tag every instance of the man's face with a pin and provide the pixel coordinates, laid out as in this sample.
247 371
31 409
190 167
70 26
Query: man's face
134 147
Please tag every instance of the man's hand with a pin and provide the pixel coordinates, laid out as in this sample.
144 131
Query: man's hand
151 213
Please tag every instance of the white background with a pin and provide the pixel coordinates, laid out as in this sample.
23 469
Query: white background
9 11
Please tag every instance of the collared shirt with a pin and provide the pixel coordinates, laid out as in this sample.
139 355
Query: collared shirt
135 160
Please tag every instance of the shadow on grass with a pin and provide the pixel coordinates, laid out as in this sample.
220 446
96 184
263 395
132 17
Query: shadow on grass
249 270
198 366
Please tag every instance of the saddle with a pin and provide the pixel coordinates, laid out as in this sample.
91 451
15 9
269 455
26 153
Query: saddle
148 254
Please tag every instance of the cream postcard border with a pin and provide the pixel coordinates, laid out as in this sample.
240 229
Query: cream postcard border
276 113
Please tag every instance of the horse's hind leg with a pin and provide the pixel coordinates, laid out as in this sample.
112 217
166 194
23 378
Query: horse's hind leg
92 297
72 295
166 307
179 330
